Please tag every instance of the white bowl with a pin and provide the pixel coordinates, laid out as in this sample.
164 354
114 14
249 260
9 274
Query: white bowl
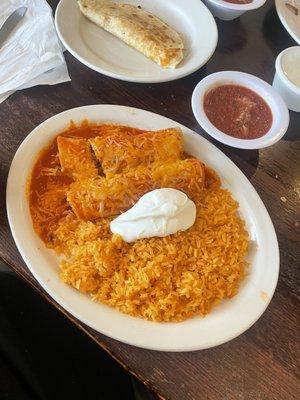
288 90
278 107
228 11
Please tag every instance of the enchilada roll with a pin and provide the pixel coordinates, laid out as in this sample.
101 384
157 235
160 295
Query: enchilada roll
94 198
119 152
76 158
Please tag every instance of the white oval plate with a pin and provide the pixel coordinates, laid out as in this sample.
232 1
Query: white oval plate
289 20
225 322
108 55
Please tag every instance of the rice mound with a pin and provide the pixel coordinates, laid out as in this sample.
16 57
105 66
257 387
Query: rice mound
159 279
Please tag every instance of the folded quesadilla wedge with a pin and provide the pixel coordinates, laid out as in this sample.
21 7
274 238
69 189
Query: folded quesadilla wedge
138 28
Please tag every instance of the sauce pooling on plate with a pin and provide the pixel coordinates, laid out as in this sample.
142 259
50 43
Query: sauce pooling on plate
238 111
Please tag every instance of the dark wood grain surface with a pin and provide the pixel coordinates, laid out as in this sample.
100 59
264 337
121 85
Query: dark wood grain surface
263 362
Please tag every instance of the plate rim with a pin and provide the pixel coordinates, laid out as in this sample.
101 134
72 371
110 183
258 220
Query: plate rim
283 20
62 301
127 78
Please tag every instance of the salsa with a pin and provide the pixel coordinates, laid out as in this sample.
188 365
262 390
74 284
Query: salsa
238 111
239 1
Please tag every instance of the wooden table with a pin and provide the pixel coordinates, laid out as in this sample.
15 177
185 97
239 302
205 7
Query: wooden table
261 363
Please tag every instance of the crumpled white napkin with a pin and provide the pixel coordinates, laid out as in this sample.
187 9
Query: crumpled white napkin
32 55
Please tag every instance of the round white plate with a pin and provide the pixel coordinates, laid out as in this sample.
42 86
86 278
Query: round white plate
108 55
289 20
225 322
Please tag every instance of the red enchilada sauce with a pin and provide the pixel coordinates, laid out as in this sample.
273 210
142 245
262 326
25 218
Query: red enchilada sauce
238 111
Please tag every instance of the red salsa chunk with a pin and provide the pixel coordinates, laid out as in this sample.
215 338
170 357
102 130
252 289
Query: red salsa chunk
238 111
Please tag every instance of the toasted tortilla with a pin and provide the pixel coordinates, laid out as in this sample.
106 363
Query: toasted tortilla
138 28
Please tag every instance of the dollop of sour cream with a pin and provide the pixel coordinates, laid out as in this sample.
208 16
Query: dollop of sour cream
160 212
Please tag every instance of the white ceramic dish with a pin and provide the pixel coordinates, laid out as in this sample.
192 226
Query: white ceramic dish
289 20
228 11
226 321
108 55
287 89
278 107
